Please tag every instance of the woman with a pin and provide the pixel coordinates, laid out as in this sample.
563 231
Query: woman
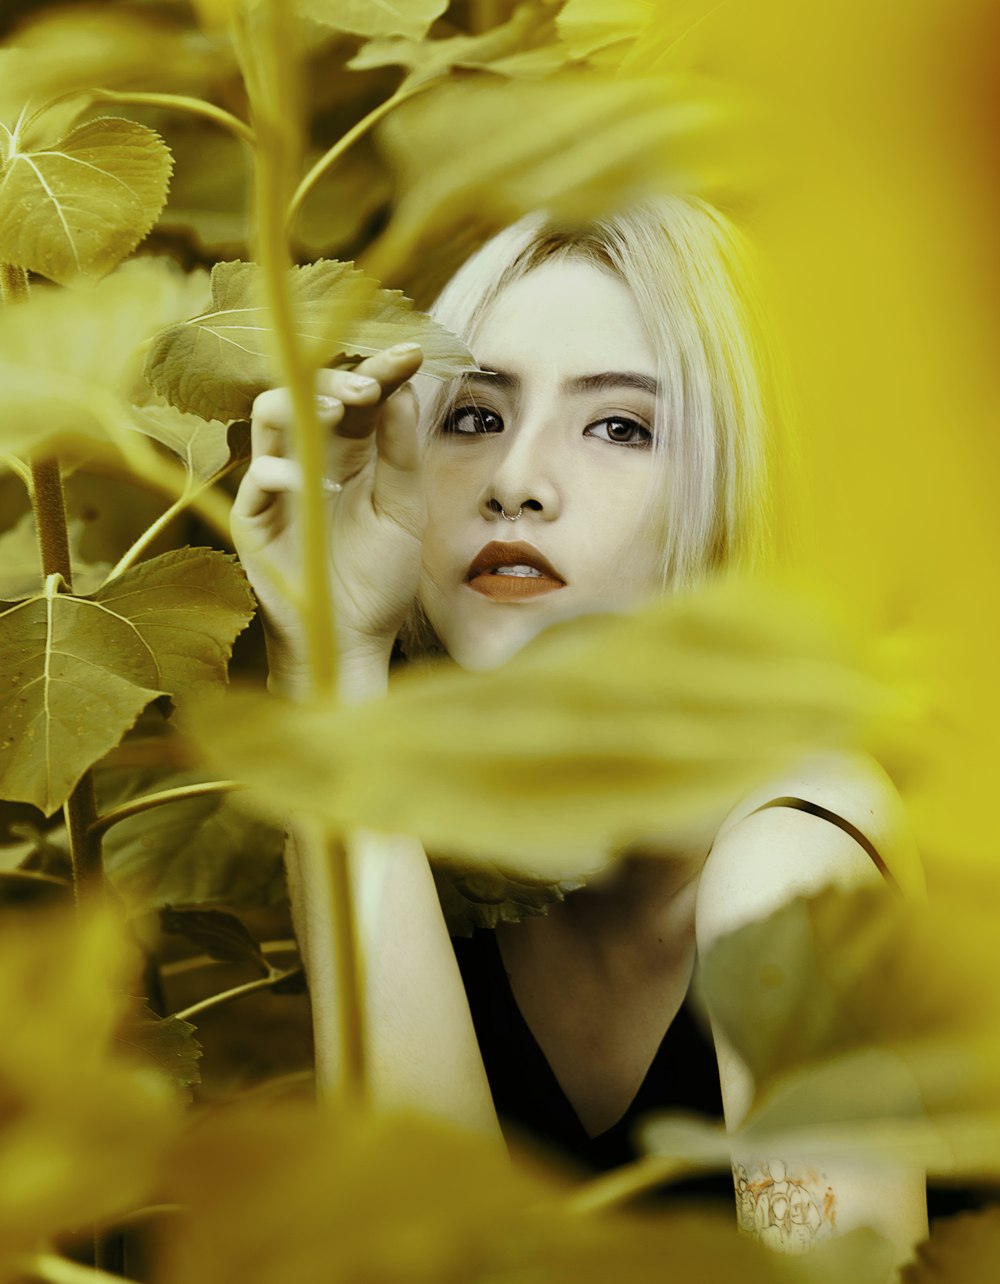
613 447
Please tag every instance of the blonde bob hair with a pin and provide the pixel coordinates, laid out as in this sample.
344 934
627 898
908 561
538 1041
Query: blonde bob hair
688 270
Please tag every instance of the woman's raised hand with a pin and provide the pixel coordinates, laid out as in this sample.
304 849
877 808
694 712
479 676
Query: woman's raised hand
376 518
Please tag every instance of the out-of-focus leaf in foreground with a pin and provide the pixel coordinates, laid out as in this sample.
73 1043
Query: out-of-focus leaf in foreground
961 1250
215 364
77 207
524 45
74 49
471 156
383 18
85 1122
865 1033
567 749
66 356
282 1196
77 671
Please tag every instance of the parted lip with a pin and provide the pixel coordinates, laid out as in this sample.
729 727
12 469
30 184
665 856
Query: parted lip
499 553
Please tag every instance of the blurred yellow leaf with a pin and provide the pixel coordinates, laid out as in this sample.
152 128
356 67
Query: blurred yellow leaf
471 156
569 748
88 46
67 355
85 1122
375 17
588 26
960 1250
286 1195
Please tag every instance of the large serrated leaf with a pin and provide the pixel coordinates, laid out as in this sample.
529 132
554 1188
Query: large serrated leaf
77 672
203 850
375 17
215 364
79 207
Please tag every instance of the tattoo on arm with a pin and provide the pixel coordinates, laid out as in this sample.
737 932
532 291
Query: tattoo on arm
786 1211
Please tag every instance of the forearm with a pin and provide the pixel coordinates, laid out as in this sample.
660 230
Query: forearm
420 1045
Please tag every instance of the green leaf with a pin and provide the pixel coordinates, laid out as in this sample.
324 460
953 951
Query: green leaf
79 207
482 897
188 606
542 765
67 356
215 364
375 17
961 1250
202 445
194 851
167 1042
77 671
20 562
471 156
220 935
525 45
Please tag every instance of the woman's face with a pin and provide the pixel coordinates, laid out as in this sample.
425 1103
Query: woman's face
561 432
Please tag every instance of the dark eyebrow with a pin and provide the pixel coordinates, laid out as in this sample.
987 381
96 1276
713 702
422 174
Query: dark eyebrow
606 381
609 380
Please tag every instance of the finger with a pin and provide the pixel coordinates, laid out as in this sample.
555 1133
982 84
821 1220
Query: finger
364 389
267 479
273 415
397 489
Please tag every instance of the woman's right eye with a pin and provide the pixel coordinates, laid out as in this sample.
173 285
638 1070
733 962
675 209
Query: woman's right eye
470 421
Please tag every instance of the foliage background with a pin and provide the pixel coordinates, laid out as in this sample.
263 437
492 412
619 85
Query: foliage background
857 148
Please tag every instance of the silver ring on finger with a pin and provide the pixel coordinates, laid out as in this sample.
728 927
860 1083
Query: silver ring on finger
331 487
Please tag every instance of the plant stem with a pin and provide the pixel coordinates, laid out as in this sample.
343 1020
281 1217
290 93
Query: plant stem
349 1008
137 805
237 992
49 504
182 103
334 153
198 961
59 1270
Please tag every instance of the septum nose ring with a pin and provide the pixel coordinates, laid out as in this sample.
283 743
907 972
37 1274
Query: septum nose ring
507 517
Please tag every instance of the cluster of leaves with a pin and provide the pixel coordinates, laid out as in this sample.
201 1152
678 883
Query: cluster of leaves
133 369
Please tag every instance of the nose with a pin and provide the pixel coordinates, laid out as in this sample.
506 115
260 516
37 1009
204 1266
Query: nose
520 479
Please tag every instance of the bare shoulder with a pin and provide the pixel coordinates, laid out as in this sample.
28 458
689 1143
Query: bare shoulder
852 830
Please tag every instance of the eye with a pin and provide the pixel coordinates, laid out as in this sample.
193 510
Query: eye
470 421
620 431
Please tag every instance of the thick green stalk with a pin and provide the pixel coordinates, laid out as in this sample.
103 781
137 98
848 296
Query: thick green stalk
48 504
318 868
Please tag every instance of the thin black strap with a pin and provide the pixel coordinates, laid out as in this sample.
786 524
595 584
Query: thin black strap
814 809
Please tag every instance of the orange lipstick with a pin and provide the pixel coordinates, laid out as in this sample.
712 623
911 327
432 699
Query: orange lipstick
510 572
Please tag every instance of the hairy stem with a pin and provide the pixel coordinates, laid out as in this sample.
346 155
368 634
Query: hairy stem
237 992
181 103
135 806
334 153
13 283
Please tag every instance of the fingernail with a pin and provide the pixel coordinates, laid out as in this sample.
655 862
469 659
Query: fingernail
402 349
360 383
327 405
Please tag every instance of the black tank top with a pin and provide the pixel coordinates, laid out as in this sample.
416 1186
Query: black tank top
683 1075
